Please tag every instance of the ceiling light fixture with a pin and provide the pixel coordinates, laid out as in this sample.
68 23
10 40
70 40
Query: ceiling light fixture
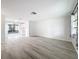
34 13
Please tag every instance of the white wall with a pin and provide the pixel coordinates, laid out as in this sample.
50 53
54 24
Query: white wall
2 28
56 28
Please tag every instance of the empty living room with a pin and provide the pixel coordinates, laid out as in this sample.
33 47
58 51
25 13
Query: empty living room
39 29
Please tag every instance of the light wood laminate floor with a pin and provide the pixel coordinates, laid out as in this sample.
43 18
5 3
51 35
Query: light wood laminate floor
37 48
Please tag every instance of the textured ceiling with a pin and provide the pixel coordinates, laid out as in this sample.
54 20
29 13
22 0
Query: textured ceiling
22 9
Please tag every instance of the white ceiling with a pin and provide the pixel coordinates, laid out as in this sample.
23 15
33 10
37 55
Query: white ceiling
21 9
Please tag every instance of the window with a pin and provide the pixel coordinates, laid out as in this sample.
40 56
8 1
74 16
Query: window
13 28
